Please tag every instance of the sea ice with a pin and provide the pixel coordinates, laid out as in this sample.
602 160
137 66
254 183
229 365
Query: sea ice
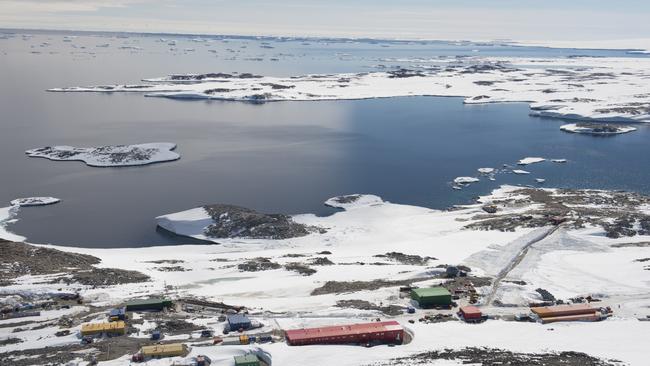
603 89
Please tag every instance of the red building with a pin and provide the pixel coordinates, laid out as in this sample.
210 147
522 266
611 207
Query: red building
470 313
378 332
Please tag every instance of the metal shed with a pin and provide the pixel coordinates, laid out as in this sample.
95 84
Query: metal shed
431 296
247 360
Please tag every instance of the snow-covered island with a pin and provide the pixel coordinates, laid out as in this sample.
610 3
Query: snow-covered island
111 155
597 128
34 201
535 245
604 89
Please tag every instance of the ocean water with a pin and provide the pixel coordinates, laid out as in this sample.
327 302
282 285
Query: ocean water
285 157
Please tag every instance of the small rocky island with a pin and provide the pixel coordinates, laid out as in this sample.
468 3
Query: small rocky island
111 155
597 128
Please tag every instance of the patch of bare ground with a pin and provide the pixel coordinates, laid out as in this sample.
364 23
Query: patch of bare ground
300 268
402 258
617 213
391 310
19 259
642 244
339 287
258 264
492 356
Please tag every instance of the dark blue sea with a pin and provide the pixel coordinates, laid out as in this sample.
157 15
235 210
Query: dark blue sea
281 157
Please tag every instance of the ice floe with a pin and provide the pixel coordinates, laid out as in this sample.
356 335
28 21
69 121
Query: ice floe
34 201
519 171
603 89
465 180
527 161
597 128
486 170
112 155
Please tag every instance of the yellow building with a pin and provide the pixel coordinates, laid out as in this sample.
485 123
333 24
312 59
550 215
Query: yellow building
112 328
163 350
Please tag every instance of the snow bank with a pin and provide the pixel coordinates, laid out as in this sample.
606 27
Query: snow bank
190 223
354 201
599 89
112 155
8 216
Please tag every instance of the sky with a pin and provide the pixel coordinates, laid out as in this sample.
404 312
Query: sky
564 20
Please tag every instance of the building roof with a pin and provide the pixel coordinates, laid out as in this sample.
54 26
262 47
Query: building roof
246 358
238 318
103 327
163 348
470 309
342 330
117 311
147 301
431 291
562 310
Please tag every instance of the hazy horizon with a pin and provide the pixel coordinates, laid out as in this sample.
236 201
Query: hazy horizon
411 19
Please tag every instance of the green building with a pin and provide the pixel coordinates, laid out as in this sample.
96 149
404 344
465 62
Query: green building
148 304
247 360
432 296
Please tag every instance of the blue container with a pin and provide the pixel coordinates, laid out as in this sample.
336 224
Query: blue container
155 335
117 314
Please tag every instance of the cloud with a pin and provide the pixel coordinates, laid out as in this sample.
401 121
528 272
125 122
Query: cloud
26 7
